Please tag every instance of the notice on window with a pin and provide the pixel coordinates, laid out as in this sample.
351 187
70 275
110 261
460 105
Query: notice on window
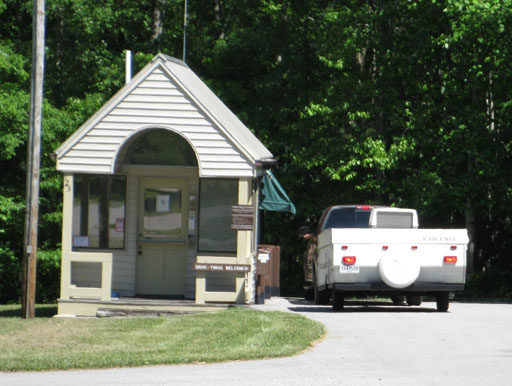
242 217
119 227
191 222
163 203
81 241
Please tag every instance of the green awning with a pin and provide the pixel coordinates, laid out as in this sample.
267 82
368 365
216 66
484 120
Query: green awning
272 195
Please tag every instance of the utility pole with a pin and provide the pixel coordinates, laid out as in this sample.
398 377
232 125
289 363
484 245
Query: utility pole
33 161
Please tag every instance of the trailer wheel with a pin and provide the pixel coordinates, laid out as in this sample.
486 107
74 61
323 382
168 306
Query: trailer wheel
443 301
338 301
414 300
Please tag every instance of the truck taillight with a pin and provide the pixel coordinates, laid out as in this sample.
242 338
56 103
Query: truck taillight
385 247
349 260
450 259
414 248
365 207
453 248
344 247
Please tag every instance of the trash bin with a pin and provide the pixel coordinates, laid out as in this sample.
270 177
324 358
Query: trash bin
267 270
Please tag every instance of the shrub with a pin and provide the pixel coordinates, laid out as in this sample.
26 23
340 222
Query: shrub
48 276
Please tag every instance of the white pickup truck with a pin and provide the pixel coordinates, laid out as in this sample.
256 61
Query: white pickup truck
359 250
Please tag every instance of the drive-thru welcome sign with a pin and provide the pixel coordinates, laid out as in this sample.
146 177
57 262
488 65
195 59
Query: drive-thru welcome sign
161 190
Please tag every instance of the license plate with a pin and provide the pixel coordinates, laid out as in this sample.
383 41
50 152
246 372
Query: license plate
349 268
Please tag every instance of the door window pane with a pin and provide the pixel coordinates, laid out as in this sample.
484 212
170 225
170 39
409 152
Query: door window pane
215 201
99 211
162 213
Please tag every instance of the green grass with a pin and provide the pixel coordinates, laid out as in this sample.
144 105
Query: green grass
46 343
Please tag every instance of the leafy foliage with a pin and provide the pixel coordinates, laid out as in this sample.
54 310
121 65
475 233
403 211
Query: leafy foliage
400 103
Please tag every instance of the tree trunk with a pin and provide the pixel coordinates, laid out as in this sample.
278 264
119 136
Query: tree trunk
219 18
470 226
158 20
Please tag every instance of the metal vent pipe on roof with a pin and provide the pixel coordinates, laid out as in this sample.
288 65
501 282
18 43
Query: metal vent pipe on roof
128 66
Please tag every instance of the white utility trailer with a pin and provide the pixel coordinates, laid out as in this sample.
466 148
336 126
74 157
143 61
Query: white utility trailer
383 252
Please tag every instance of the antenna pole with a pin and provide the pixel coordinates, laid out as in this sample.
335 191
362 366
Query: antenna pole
128 66
185 32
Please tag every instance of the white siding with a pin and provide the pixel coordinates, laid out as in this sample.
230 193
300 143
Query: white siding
245 139
156 102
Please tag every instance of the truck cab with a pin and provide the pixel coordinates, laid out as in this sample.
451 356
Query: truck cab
336 216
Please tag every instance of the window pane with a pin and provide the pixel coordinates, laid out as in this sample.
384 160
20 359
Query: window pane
347 218
116 212
160 147
162 213
216 198
99 211
86 274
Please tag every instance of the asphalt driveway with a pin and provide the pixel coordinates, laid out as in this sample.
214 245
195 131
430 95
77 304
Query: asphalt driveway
367 344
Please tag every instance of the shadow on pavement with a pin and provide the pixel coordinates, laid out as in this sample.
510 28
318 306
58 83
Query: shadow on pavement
357 306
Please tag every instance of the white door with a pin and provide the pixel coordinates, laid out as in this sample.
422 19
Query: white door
162 236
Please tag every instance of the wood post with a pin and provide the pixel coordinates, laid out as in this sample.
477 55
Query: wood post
33 162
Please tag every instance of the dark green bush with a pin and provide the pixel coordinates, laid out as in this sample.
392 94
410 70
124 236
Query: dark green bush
492 283
47 279
10 273
48 276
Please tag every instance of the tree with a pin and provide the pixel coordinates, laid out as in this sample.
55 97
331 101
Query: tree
399 103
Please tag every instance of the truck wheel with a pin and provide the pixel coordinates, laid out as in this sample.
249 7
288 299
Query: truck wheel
337 301
398 271
414 300
443 301
397 299
320 297
309 293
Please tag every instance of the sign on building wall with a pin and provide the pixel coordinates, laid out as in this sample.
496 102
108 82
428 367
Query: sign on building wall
242 217
222 267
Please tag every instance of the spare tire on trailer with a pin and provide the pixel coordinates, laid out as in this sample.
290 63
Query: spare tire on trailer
398 271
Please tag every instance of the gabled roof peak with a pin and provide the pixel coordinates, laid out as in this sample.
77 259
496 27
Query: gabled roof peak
167 58
166 93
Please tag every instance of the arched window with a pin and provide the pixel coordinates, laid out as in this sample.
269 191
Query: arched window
160 147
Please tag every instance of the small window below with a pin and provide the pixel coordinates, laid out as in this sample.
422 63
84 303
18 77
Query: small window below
99 211
85 274
217 196
220 282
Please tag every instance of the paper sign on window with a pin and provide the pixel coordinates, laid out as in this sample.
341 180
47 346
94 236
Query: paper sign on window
81 241
163 203
119 224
